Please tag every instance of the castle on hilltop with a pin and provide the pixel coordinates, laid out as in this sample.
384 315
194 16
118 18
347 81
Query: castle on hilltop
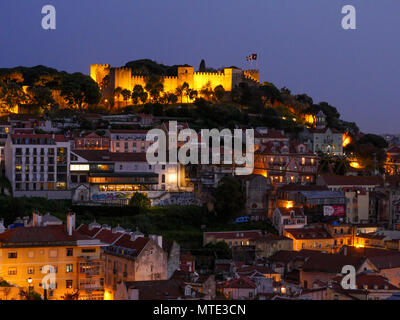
124 78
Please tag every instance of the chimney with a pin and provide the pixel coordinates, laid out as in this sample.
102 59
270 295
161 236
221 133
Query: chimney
157 239
36 219
70 223
118 229
26 221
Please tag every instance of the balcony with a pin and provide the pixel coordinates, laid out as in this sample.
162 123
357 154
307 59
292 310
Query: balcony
96 286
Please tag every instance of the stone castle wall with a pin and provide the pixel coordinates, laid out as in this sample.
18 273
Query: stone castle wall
228 78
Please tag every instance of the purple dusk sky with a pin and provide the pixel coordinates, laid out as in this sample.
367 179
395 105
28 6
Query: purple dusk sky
300 43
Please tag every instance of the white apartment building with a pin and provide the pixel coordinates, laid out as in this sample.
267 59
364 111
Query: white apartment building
103 176
37 165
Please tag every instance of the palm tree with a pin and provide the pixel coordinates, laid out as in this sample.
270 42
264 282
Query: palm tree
137 93
207 91
126 94
154 86
117 92
183 90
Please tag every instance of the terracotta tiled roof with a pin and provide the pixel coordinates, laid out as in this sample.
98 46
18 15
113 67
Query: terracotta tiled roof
288 211
371 282
108 236
240 283
52 233
286 256
271 134
84 229
56 137
367 252
335 180
270 237
247 270
137 245
330 263
386 262
315 130
309 233
299 187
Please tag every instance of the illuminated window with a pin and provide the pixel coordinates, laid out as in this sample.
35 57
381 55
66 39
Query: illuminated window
12 271
79 167
61 185
12 255
68 284
69 268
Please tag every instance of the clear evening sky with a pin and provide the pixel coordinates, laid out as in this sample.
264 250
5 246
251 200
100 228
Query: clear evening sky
300 43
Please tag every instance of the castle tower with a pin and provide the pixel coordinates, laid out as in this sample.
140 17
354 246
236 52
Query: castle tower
99 71
253 75
186 74
121 77
320 120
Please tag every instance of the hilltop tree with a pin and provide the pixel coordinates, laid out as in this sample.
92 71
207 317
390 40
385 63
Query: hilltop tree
140 201
270 92
229 188
192 94
183 90
117 92
154 86
11 94
202 67
172 98
138 93
12 76
51 81
206 91
80 90
219 92
126 94
41 96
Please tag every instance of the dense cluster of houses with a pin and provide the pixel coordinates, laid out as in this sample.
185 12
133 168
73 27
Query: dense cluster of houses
322 222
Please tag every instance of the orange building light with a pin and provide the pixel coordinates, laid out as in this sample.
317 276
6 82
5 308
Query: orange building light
346 139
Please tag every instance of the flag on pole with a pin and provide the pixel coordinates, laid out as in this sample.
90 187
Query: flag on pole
251 57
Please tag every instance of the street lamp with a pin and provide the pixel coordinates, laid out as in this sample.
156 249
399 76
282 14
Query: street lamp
29 286
283 290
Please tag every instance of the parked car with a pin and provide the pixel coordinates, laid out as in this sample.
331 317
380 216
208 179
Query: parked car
242 220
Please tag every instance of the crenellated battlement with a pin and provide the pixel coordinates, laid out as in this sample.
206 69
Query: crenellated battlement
101 65
209 74
227 78
126 69
99 71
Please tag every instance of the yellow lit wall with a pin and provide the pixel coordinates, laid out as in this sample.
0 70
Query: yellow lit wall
18 270
122 77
